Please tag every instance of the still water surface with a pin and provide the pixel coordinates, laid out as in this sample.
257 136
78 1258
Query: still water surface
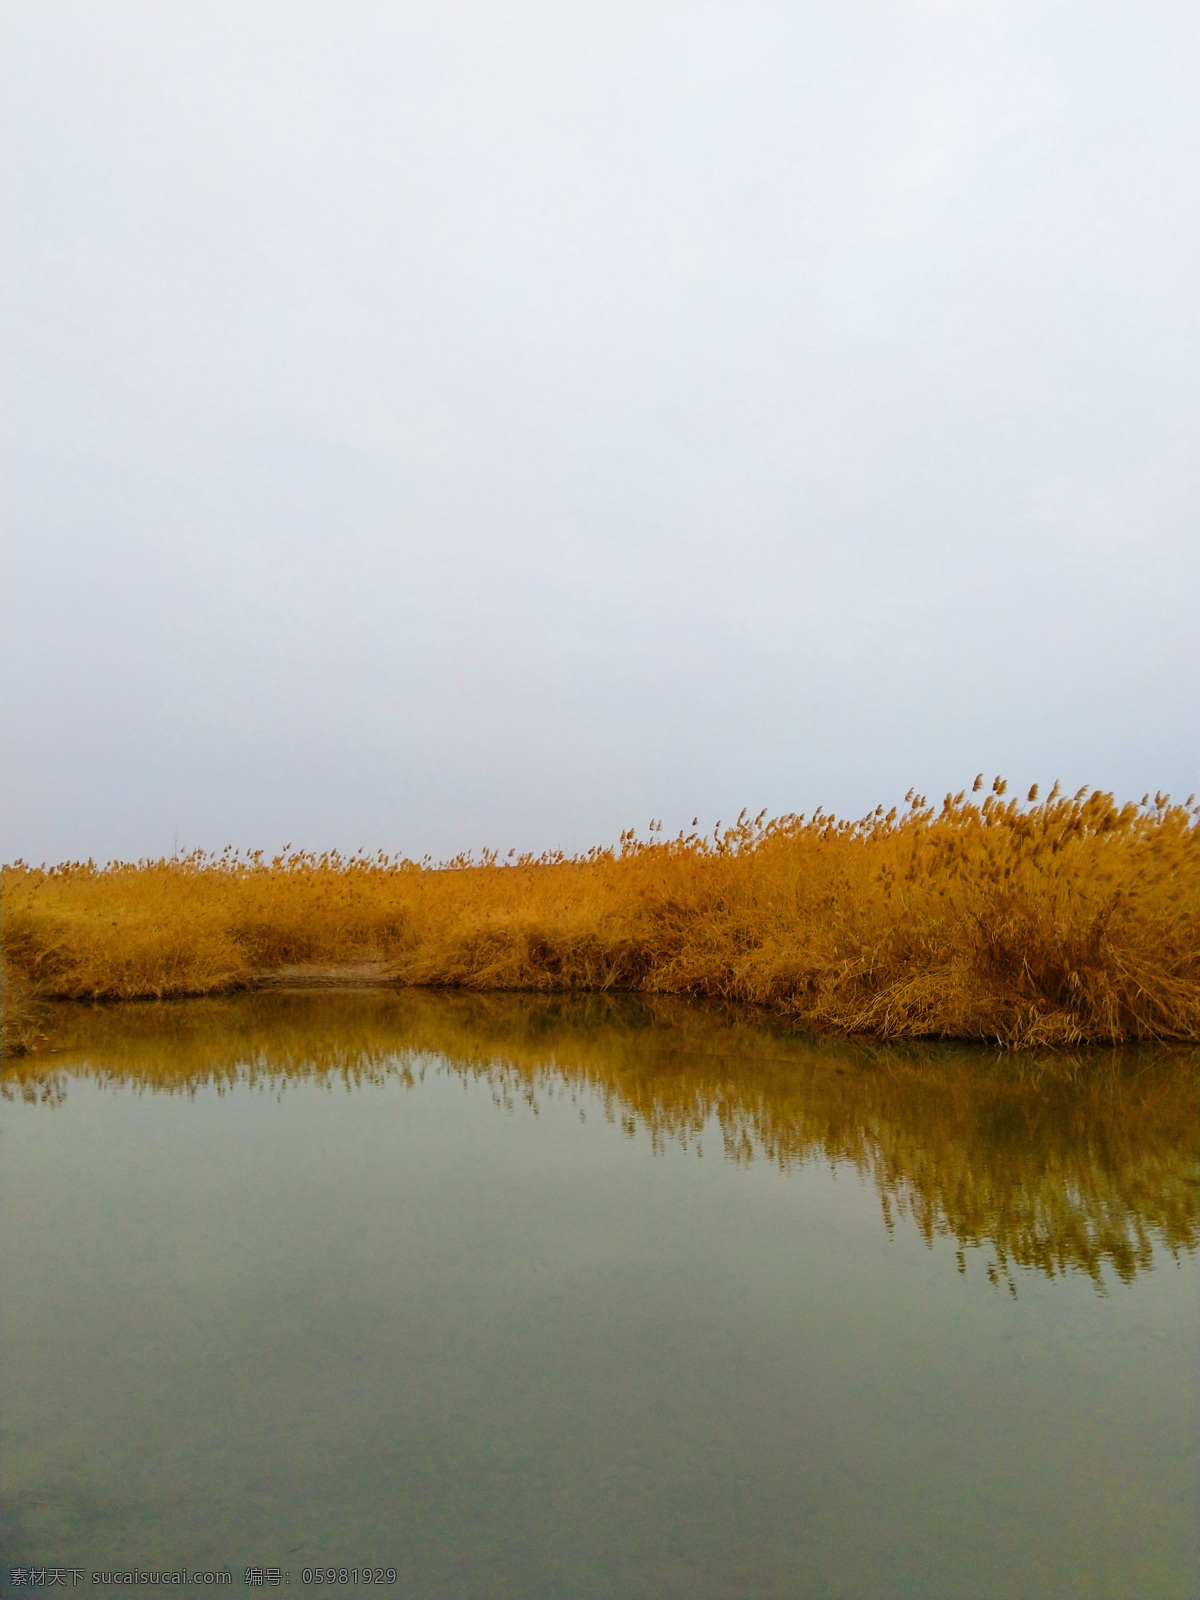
540 1298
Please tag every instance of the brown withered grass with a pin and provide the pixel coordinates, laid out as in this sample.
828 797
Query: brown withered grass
1070 921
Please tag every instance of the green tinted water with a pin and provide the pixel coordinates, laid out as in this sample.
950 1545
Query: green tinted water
533 1299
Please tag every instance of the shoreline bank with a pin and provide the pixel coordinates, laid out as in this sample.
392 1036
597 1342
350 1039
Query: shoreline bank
25 1014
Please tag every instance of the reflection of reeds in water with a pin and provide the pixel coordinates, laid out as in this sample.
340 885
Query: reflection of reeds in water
1054 1163
1060 923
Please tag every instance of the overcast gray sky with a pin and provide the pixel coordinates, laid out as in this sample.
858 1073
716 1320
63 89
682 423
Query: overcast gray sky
436 425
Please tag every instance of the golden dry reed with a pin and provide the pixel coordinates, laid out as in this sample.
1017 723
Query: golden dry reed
1068 921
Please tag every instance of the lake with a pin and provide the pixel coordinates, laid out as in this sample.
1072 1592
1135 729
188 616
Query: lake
541 1297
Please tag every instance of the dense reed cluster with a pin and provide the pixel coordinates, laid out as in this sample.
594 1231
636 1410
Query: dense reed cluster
1066 921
